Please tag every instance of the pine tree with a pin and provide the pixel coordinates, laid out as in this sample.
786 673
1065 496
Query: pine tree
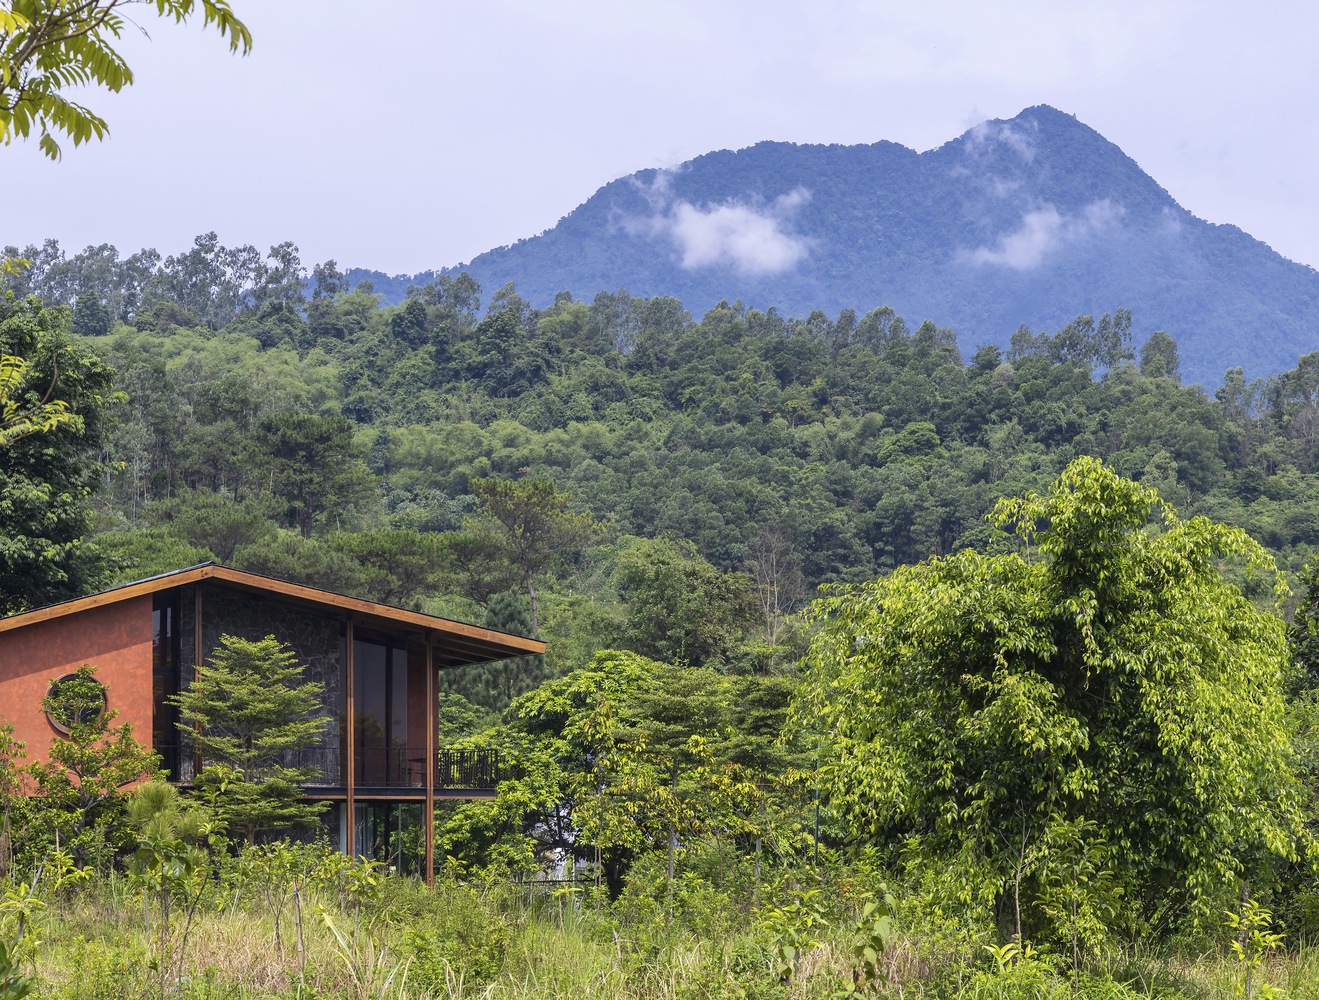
248 714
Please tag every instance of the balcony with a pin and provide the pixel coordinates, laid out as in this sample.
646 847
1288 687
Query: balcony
460 769
399 768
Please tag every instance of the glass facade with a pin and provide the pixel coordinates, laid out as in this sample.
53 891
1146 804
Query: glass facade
380 723
391 832
165 680
380 809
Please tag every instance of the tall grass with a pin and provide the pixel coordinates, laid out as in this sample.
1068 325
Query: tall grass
501 941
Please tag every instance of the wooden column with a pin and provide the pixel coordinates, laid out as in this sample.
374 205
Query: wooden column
432 721
350 712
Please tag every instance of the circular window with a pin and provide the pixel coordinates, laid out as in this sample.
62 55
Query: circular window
75 699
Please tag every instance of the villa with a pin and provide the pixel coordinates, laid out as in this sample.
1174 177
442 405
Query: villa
382 774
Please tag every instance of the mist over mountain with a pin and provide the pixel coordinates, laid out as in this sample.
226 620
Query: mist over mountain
1030 221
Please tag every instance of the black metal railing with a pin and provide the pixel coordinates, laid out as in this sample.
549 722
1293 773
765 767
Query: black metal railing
375 767
467 769
390 767
324 765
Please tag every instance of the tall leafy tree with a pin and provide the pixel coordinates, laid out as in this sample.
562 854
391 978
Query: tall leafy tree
90 316
315 465
1159 356
978 708
681 608
47 479
1303 632
280 279
250 714
537 527
210 280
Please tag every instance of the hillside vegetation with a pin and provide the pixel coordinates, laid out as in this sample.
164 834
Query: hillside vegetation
1057 744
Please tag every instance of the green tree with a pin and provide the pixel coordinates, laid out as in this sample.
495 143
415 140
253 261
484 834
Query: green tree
279 281
81 784
1303 632
599 772
315 466
249 715
409 324
90 316
973 704
538 529
1159 356
474 563
680 608
50 46
47 479
398 566
215 521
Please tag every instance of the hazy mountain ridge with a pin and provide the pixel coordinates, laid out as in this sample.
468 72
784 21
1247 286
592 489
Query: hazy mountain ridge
1032 220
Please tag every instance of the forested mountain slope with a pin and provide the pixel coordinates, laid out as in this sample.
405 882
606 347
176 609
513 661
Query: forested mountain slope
658 495
340 441
1031 220
847 446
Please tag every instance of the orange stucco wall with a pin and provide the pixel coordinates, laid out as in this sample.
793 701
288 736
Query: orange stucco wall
115 639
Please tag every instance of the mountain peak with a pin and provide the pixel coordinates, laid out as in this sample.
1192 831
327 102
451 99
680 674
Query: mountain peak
1034 219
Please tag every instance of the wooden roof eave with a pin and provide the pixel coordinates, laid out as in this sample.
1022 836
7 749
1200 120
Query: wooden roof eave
472 643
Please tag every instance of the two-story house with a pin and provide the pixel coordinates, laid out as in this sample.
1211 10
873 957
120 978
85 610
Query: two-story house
380 767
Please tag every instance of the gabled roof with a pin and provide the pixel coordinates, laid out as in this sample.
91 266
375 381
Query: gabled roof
456 643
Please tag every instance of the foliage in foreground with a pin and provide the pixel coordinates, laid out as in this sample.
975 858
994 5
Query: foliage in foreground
48 48
1083 736
286 921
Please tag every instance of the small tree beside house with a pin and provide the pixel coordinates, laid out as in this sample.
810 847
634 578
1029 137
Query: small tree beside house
81 786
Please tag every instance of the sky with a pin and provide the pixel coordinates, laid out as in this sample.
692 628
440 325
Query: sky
409 135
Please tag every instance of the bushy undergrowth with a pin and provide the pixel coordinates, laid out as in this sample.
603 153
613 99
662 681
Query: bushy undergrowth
712 932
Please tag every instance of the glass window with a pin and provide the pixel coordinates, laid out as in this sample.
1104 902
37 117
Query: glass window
165 680
380 691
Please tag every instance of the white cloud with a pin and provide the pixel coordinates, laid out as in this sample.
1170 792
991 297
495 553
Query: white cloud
981 136
751 239
1045 230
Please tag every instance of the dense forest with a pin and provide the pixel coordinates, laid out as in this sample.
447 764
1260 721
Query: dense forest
720 769
855 443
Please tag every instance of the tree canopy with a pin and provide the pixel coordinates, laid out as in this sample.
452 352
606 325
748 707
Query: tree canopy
47 478
1106 677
